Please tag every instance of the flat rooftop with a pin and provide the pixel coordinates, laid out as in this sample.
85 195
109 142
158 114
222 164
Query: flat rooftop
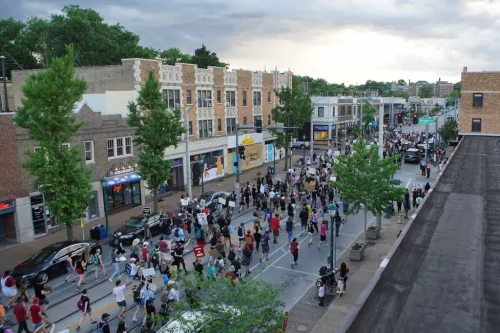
445 274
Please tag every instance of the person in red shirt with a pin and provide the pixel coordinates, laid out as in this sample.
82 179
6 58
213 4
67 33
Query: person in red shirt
249 240
275 227
145 254
36 314
231 275
21 315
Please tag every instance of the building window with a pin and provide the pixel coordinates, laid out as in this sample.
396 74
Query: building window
349 110
172 98
218 97
476 124
205 98
117 149
230 122
268 119
321 111
230 98
269 97
190 128
342 110
244 98
354 110
255 118
189 99
66 145
205 128
257 98
477 100
89 151
244 120
219 125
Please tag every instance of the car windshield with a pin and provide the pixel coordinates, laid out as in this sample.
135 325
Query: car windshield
411 153
135 223
205 196
42 256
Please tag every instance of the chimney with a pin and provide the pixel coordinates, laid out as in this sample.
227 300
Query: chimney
464 70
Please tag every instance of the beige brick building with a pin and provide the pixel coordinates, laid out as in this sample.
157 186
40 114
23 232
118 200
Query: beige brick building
217 99
480 103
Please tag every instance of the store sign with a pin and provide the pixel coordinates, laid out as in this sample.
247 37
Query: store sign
7 204
245 139
321 127
177 162
120 172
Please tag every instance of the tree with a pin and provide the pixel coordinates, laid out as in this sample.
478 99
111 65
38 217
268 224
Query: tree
365 180
295 109
401 82
368 111
458 87
203 57
173 55
252 306
47 115
449 128
156 129
402 94
426 91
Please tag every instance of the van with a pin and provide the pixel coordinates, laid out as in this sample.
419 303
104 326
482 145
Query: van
412 156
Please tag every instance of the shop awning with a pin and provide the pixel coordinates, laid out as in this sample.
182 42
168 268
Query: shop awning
121 179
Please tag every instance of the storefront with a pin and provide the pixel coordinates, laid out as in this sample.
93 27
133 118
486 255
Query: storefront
41 217
320 132
254 153
7 220
210 165
176 180
122 189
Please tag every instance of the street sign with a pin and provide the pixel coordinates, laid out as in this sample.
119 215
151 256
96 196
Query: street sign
146 210
198 251
426 120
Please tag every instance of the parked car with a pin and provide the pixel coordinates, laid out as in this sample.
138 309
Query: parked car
134 228
300 144
211 198
50 261
412 156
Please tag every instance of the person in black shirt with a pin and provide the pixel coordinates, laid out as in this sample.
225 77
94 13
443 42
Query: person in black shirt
179 257
150 312
237 267
40 292
198 267
103 324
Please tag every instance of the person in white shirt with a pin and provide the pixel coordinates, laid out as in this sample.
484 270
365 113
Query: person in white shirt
119 294
173 295
321 295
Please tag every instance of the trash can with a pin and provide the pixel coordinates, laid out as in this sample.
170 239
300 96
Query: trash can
102 231
95 233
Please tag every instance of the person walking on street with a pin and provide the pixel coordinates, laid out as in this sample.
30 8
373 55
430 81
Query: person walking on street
114 262
343 273
84 306
275 226
289 228
338 220
9 289
247 259
119 293
41 294
265 245
70 268
322 234
21 315
303 220
99 264
135 249
257 236
103 325
294 249
36 314
428 168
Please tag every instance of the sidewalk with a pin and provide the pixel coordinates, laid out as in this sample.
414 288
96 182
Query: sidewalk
21 252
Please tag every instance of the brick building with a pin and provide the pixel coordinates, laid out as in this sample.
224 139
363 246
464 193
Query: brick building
480 103
442 88
217 99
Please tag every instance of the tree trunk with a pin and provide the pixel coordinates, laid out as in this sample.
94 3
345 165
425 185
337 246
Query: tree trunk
155 200
286 158
366 239
69 231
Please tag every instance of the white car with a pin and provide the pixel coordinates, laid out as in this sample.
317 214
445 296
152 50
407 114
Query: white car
194 320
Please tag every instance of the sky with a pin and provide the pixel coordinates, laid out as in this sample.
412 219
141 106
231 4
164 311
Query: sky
347 41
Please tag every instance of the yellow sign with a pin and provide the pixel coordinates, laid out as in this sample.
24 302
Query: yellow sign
246 140
81 222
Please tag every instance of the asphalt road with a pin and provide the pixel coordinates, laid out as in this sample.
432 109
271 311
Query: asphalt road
64 312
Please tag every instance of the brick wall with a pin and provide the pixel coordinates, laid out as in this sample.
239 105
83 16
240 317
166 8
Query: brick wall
267 88
244 84
487 83
219 108
10 175
189 83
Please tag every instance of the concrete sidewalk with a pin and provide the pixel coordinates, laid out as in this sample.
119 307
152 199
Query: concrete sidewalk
20 252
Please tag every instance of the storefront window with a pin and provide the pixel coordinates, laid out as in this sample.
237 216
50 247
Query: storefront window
209 165
127 194
93 207
321 136
122 195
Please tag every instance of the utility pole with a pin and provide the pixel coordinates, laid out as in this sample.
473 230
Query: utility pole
237 151
427 140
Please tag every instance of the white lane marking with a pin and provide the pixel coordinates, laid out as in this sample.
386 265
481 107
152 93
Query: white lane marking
295 270
408 183
413 216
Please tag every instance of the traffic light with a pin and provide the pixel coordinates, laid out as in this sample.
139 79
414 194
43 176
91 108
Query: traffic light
258 125
415 118
400 118
242 152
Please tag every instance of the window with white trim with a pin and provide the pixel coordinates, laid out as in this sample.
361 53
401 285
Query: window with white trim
120 147
244 98
66 145
204 98
257 98
189 99
230 125
256 118
321 111
205 128
230 98
89 151
172 98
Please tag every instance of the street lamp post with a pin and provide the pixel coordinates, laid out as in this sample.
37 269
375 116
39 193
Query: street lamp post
105 200
304 155
4 76
274 157
332 208
202 174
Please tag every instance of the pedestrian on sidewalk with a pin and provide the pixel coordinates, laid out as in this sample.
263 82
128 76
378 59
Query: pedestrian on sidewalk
294 249
428 169
21 315
9 288
257 237
103 325
321 294
338 221
98 263
84 305
303 220
344 274
135 248
119 293
310 233
322 234
247 259
241 235
179 257
289 227
70 268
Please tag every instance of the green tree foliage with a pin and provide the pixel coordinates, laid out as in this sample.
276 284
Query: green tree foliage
47 115
203 57
174 55
250 307
365 180
458 87
295 109
383 88
156 129
402 94
426 91
320 87
369 112
401 82
449 128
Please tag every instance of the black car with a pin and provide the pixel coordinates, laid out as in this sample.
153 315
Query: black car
134 228
50 261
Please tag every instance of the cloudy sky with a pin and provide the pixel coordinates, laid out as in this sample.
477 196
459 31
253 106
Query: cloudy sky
346 41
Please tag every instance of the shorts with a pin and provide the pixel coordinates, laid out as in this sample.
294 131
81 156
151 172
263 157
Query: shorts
309 233
89 310
80 271
122 303
43 301
322 238
70 270
241 239
265 248
276 233
36 325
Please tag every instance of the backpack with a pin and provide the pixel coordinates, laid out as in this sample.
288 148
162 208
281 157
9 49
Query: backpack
240 231
137 295
176 232
199 234
80 303
100 328
294 247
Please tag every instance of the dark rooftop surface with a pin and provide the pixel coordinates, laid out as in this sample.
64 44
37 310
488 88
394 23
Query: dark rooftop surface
445 275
